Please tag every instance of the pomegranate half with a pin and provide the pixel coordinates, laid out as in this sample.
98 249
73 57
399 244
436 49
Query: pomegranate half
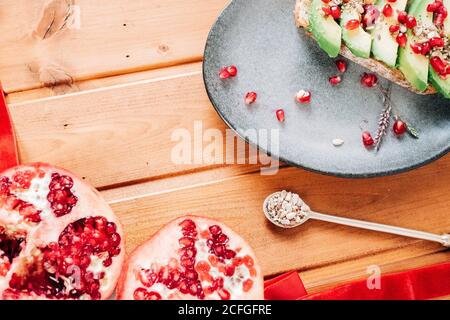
58 238
192 258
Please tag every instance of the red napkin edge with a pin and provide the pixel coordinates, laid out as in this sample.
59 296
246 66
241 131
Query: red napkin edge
8 148
422 283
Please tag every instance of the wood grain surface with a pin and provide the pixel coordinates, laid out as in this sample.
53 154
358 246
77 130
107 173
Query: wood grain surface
103 97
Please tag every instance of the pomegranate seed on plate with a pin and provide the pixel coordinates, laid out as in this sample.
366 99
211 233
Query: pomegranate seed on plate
394 28
367 139
250 97
387 10
399 127
303 96
280 115
232 70
411 22
335 12
401 39
335 80
341 65
436 42
223 73
369 80
402 16
352 24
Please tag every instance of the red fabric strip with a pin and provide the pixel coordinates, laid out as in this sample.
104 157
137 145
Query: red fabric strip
417 284
8 148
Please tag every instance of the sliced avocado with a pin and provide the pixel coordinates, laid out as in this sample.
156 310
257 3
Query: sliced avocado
415 66
384 45
442 85
325 30
358 41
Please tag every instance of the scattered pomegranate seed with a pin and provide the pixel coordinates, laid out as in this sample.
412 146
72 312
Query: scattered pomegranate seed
392 1
402 16
439 65
436 42
341 65
416 48
303 96
394 28
367 139
335 80
227 72
250 97
352 24
369 80
280 115
387 10
223 73
232 70
426 48
326 1
411 22
401 39
326 11
335 12
399 127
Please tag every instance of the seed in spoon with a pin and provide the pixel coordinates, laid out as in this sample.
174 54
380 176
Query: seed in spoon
286 208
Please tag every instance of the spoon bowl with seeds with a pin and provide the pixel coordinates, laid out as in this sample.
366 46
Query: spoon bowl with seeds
287 210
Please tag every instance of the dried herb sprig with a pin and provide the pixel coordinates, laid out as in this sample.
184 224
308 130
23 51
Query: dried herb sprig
385 117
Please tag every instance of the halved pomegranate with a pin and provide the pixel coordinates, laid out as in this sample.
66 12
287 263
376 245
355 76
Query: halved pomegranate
58 238
192 258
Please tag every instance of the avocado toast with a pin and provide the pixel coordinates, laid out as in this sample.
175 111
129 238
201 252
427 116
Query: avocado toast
404 41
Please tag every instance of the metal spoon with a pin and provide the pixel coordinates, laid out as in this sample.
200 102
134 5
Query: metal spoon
307 214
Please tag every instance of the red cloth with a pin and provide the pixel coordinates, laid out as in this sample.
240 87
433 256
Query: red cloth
8 149
417 284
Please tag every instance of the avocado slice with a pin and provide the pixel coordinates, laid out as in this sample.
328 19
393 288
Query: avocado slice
442 85
415 66
358 41
325 30
384 45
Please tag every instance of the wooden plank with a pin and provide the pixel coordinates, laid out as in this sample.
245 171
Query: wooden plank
108 38
237 201
127 129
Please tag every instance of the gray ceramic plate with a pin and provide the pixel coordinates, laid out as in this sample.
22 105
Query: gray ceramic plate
275 59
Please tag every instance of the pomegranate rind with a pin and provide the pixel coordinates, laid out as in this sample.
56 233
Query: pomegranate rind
90 204
164 246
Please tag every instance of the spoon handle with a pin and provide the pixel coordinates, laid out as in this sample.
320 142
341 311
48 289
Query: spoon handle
442 239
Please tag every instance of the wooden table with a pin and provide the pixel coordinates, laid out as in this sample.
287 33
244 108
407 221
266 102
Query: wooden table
102 95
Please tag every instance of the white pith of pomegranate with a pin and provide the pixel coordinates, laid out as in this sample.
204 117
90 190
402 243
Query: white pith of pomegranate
192 258
58 238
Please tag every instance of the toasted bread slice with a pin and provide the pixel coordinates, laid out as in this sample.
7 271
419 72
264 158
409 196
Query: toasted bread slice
391 74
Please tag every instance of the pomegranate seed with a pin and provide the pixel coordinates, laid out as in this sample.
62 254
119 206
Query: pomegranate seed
248 261
335 12
326 1
247 285
250 98
280 115
335 80
202 266
387 10
224 294
367 139
411 22
303 96
394 28
436 42
432 7
370 15
399 127
402 16
232 70
352 24
223 73
187 224
426 48
369 80
140 294
416 48
153 296
326 11
230 254
341 65
401 39
392 1
229 270
438 65
215 230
